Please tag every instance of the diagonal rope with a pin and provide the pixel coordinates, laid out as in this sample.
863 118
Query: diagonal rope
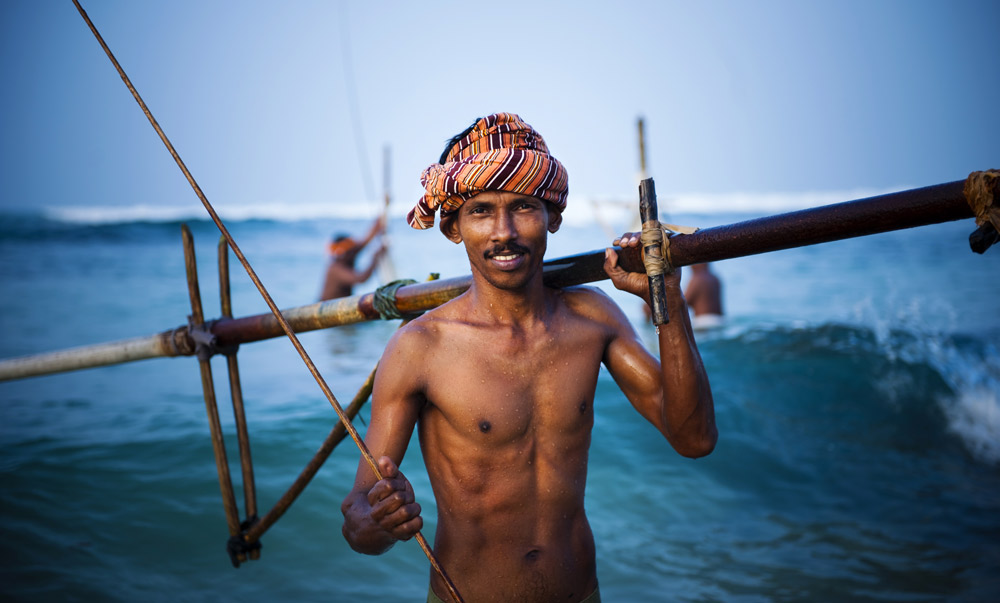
365 452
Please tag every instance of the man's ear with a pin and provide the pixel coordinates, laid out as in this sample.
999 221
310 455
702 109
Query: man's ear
555 217
449 227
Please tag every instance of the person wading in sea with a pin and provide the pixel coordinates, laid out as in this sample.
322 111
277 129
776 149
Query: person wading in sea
341 275
704 295
500 384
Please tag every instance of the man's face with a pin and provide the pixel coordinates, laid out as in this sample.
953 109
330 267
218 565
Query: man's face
505 236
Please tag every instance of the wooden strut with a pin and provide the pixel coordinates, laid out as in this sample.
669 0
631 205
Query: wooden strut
197 322
239 415
453 591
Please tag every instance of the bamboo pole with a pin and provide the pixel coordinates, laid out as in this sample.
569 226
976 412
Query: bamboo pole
160 345
884 213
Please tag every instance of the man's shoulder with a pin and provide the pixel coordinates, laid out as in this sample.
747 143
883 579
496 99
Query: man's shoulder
426 328
587 299
594 305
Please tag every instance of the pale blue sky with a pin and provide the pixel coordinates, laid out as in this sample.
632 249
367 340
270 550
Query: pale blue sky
758 97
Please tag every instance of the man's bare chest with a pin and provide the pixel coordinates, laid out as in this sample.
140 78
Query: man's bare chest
500 389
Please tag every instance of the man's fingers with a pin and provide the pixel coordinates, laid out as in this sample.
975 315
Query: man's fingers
408 529
399 520
392 503
610 258
629 239
385 488
611 267
392 482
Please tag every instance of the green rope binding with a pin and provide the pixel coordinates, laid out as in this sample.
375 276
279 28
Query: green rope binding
385 299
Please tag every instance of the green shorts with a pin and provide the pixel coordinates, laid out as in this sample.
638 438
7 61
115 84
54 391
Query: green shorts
595 597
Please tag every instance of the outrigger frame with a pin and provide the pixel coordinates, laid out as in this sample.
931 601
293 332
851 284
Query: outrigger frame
244 536
952 201
884 213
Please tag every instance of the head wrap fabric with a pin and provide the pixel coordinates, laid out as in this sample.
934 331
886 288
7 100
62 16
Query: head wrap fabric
500 153
341 245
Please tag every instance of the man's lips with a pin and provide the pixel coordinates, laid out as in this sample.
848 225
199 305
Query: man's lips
508 261
507 252
507 258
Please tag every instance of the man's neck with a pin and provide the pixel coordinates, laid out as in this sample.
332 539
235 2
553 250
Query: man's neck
513 307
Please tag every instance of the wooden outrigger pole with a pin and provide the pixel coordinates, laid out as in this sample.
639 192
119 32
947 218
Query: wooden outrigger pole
884 213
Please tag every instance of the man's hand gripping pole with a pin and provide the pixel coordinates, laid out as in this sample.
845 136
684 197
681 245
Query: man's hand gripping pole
652 251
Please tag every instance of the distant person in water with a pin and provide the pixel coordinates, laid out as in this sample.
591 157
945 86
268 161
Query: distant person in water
341 275
499 384
704 297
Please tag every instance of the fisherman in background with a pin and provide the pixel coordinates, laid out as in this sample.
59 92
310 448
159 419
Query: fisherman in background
704 297
341 275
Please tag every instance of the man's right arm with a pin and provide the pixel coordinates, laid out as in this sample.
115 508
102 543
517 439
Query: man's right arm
379 512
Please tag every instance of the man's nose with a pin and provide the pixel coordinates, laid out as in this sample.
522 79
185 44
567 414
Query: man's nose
503 227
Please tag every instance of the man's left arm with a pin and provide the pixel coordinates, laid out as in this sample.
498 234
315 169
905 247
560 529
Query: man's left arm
674 394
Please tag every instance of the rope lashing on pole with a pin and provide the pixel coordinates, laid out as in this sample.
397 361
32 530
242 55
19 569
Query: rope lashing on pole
384 298
669 231
981 192
365 452
652 248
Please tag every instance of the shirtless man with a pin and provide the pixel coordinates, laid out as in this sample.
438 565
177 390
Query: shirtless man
341 275
704 295
500 384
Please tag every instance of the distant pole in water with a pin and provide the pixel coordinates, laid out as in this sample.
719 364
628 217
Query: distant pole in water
386 268
643 174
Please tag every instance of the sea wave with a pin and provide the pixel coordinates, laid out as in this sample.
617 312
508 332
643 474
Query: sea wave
930 385
273 212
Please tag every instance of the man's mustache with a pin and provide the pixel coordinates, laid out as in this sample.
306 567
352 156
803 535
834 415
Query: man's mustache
508 249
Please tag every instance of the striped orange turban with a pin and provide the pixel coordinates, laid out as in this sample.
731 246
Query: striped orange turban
500 153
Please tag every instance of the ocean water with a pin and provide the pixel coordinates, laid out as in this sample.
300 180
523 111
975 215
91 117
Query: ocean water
857 390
